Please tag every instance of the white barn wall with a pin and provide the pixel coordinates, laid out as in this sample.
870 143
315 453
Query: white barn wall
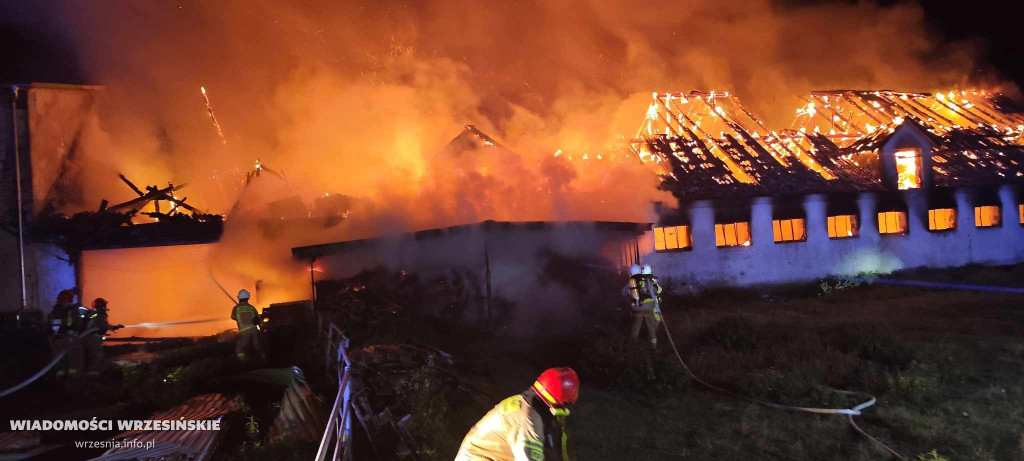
767 262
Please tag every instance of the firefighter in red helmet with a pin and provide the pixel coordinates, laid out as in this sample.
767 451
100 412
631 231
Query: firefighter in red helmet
95 332
530 426
66 319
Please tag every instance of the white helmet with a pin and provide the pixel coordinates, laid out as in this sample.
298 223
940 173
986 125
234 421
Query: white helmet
647 270
243 294
634 269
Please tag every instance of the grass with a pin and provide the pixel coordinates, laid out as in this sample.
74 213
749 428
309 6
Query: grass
946 367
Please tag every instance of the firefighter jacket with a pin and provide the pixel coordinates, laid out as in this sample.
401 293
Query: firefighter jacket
245 315
644 289
98 320
67 319
520 428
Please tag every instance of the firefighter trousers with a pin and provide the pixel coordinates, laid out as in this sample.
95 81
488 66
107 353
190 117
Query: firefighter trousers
93 345
71 363
649 319
250 342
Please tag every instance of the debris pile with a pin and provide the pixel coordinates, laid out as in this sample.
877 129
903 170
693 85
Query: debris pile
408 394
171 221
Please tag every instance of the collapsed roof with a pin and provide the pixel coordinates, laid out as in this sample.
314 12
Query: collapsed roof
708 145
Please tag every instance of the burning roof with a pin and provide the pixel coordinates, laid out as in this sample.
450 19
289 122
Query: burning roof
708 145
117 226
711 145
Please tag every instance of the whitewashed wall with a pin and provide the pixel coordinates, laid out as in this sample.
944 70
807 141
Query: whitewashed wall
767 262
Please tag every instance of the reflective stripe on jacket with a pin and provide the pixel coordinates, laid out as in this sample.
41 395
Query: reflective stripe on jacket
245 316
511 431
98 320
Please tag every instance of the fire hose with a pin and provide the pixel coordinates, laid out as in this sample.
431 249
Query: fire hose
849 412
60 355
232 298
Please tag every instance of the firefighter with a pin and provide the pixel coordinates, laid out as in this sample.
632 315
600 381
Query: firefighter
530 426
65 325
645 292
248 320
96 327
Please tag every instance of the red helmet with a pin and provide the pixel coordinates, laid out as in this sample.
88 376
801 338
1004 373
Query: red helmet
559 387
66 296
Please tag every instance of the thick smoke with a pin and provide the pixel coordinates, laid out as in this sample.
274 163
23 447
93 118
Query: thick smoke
358 97
354 97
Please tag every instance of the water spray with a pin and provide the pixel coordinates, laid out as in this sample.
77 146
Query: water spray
232 298
164 324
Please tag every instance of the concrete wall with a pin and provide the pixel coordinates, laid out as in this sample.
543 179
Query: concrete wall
47 271
163 284
767 262
506 248
516 254
49 121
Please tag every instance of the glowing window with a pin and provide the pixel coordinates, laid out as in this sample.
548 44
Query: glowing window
987 216
789 230
733 234
1020 209
672 238
843 226
908 169
892 222
941 219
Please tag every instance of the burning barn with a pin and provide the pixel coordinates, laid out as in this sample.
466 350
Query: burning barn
862 181
124 252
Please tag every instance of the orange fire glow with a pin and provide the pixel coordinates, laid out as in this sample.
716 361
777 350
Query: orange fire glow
364 100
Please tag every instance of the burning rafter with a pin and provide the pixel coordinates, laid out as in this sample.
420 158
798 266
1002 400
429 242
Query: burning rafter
701 141
846 116
154 195
712 139
258 170
977 138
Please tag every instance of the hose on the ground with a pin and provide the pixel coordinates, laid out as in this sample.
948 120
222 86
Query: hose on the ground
40 373
849 412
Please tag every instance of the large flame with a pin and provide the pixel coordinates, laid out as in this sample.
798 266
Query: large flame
360 99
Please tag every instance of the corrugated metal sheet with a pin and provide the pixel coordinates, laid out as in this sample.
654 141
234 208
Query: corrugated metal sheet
301 414
184 445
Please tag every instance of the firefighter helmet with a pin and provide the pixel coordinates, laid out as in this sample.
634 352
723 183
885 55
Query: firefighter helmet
243 294
634 269
99 303
66 297
558 387
646 270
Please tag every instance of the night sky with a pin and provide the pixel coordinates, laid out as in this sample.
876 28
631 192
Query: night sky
31 49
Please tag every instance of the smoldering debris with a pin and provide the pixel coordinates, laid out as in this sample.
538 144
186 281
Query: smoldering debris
141 221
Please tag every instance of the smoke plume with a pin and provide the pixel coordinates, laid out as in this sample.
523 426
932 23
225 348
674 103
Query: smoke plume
359 97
